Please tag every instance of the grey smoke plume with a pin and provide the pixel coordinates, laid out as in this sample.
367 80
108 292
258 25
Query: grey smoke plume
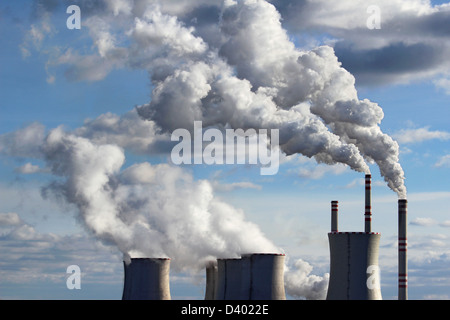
257 78
231 63
147 210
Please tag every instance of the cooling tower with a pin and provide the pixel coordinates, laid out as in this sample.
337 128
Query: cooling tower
229 279
211 280
402 250
146 279
253 277
354 270
263 277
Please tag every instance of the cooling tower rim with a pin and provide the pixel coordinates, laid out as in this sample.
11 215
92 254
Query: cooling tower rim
354 232
253 254
263 254
154 259
227 259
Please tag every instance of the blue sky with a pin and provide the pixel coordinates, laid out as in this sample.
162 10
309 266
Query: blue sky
40 236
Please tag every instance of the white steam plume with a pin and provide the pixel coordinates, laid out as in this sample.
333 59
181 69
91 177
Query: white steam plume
257 78
244 73
300 283
146 210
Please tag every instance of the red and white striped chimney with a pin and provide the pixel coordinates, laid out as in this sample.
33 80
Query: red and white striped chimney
402 250
334 216
368 207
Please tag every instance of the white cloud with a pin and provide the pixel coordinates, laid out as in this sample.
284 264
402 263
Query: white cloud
26 254
445 224
428 222
319 171
36 35
444 84
28 168
218 186
436 297
24 142
9 219
425 222
444 161
420 135
411 44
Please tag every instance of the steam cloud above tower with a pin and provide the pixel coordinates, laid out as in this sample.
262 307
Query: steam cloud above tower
146 210
249 74
231 64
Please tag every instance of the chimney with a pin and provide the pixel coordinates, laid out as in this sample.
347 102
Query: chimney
146 279
368 208
334 216
402 250
354 270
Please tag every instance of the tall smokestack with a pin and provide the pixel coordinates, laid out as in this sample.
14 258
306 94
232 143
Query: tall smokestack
402 250
146 279
211 280
368 207
334 216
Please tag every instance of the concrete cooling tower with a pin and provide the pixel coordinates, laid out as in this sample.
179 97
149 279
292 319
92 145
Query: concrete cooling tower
146 279
228 279
252 277
354 266
211 280
354 270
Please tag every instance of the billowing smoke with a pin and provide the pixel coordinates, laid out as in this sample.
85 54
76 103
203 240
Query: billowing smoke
147 210
300 283
257 78
231 63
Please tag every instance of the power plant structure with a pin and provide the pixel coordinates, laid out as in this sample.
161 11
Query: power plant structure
146 279
211 280
354 268
402 250
258 276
